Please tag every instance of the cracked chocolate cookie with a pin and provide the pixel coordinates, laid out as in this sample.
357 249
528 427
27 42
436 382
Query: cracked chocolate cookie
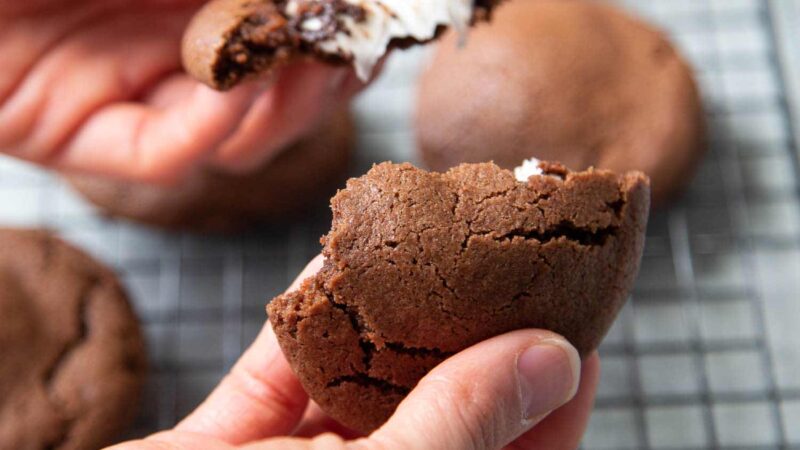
420 265
212 201
579 82
229 40
73 360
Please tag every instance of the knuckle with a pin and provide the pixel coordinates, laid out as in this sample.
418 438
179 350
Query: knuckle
263 392
375 443
156 161
328 441
150 167
472 414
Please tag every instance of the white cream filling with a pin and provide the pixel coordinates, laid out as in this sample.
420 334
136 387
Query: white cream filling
367 41
527 169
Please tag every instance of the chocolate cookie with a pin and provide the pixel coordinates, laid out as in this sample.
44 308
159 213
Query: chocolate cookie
574 81
72 354
420 265
229 40
215 201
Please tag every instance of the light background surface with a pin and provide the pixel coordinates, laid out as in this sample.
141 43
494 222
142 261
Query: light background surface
707 353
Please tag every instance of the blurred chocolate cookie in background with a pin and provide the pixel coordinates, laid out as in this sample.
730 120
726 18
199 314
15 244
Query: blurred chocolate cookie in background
73 358
574 81
212 201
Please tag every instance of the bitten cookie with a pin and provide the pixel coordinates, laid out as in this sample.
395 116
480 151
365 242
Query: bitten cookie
229 40
574 81
213 201
420 265
73 360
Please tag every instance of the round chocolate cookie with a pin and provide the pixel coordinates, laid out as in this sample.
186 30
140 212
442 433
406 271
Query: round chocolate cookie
214 201
73 360
574 81
420 265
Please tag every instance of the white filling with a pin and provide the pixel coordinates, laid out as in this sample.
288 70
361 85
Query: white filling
367 41
529 168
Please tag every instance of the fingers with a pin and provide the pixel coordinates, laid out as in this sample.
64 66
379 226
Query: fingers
311 268
564 428
100 96
236 130
174 440
299 97
316 422
24 39
260 398
486 396
327 441
139 142
179 440
107 57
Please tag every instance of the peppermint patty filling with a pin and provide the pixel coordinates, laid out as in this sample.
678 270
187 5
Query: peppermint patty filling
527 169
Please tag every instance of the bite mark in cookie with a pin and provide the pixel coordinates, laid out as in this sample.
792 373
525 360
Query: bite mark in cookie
229 40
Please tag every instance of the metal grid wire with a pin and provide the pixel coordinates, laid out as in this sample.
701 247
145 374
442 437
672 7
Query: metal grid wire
707 353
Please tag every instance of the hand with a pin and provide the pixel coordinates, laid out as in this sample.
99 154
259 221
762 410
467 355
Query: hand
516 391
96 86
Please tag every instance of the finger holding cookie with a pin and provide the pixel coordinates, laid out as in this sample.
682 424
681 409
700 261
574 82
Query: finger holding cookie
539 395
98 87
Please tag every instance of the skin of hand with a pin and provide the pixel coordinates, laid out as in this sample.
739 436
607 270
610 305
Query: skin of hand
97 86
523 390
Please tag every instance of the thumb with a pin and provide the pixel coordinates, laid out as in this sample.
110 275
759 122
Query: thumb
486 396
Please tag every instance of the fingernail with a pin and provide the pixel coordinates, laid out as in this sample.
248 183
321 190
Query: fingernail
549 373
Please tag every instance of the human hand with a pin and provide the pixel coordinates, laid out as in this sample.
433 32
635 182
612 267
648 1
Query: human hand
515 391
96 86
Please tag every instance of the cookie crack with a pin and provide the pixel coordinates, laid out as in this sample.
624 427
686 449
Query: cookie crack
436 270
441 278
564 230
617 206
447 287
52 372
540 197
511 303
49 246
364 380
546 262
368 347
422 352
83 331
493 195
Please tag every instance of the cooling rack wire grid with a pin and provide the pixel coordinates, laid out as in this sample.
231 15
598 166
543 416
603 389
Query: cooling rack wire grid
705 355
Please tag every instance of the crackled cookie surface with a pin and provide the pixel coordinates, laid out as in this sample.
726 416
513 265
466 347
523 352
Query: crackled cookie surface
72 354
419 265
229 40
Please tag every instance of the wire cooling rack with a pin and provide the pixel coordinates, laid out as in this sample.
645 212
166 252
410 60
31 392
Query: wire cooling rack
707 353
